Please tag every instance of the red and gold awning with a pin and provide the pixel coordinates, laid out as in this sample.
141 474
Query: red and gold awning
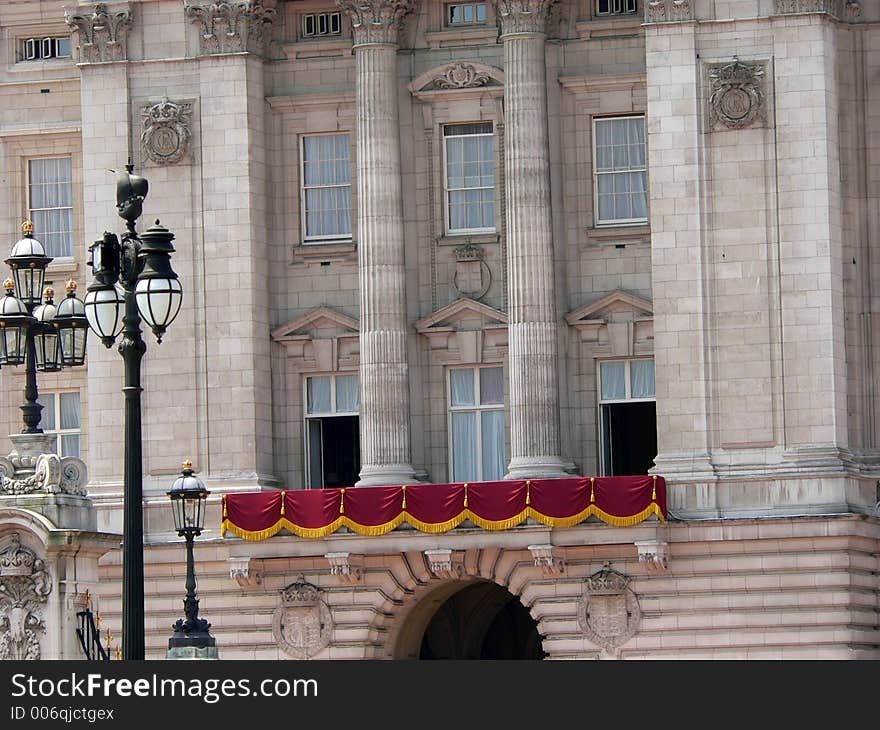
435 508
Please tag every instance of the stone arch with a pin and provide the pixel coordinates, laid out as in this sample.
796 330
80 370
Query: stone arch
25 522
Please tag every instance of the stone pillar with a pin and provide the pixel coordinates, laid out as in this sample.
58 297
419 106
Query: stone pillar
533 348
384 383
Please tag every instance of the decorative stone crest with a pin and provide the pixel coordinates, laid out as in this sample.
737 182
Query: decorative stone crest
609 612
472 277
303 623
24 588
233 27
101 34
166 136
442 564
461 76
524 16
662 11
736 95
375 21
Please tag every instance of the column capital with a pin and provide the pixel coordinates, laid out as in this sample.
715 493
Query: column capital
523 16
375 21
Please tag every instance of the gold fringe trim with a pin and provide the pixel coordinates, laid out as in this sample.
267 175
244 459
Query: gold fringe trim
374 530
592 489
314 532
497 524
629 521
403 506
435 527
465 494
528 491
571 521
253 535
342 501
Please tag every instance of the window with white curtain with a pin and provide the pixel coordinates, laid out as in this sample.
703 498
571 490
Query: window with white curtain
620 170
476 424
50 203
326 187
469 179
60 417
331 430
627 416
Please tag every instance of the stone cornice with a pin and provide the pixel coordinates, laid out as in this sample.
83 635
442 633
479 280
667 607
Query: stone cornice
847 10
375 21
523 16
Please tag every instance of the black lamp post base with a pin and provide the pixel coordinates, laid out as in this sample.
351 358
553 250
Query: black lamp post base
195 640
192 652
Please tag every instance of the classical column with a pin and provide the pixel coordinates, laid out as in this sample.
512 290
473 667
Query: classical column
384 383
533 348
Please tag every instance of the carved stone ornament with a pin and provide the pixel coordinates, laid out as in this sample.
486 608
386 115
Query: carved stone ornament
736 95
43 474
654 554
233 27
303 623
442 564
343 566
546 559
244 572
668 11
524 16
375 21
24 588
841 9
461 76
472 277
166 134
609 612
101 34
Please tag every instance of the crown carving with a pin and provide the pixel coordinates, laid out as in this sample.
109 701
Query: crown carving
15 559
606 582
300 594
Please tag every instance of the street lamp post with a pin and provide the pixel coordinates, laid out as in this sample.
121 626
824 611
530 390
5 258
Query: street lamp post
133 280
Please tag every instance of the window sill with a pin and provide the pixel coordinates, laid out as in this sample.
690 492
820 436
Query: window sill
457 239
463 36
618 235
306 253
62 265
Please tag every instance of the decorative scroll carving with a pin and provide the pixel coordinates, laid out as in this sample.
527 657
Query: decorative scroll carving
7 468
375 21
24 588
668 11
44 474
524 16
166 136
341 566
442 565
655 555
609 612
736 95
546 560
243 572
233 27
461 76
303 623
101 35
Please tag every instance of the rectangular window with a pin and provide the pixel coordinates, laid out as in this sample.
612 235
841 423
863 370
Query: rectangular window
50 204
476 424
627 416
615 7
321 24
60 418
466 13
621 178
40 49
469 151
331 428
326 187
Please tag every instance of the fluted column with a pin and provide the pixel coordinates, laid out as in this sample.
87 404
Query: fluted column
533 348
384 383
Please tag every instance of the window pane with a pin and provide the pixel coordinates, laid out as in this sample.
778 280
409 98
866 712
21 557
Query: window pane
47 415
491 385
464 447
612 375
319 395
642 377
316 467
347 395
461 387
69 410
494 459
70 445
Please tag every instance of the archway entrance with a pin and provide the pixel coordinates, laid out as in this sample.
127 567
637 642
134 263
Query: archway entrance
477 620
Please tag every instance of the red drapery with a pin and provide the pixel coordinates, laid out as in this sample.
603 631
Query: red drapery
436 508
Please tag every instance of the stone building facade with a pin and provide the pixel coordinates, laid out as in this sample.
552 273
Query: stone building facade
466 241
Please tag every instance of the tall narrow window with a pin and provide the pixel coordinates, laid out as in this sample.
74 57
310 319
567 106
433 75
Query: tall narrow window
60 417
621 179
628 416
332 438
476 424
326 187
470 177
50 203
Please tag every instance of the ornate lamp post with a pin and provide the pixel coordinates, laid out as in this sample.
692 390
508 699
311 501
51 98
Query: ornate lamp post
188 496
31 333
133 280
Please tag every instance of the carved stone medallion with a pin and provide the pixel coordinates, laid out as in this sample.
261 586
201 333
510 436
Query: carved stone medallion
736 97
24 588
303 623
461 76
609 612
166 134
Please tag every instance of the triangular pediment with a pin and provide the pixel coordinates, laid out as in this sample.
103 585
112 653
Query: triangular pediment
610 306
462 314
320 318
458 76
